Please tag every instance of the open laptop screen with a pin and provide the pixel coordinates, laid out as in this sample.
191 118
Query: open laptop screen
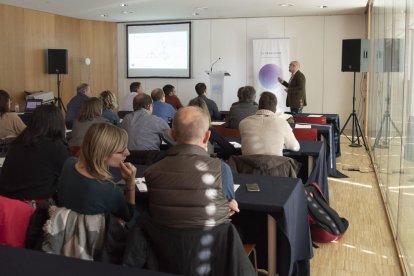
31 104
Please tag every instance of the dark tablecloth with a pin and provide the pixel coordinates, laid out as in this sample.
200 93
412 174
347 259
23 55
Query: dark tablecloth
284 199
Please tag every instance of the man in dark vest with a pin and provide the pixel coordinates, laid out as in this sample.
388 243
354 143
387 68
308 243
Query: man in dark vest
296 90
188 188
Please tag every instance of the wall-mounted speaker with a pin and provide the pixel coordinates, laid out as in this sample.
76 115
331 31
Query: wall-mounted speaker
57 61
355 55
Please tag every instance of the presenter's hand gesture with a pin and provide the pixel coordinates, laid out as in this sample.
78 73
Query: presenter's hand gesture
280 79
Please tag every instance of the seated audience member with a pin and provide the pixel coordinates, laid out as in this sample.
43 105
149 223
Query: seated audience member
90 113
36 157
238 96
10 123
171 97
86 185
201 90
145 131
246 107
265 132
160 108
226 149
83 93
135 88
178 184
109 104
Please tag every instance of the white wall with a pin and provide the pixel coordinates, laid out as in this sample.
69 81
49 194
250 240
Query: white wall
315 41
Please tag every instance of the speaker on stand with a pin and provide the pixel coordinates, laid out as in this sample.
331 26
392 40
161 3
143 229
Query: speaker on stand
57 63
355 58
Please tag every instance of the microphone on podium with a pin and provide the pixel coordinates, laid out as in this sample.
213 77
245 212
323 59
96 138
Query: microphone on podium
211 68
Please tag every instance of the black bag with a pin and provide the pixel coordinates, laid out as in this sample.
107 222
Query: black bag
325 223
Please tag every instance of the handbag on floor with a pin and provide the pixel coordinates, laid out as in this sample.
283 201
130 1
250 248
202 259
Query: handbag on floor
325 223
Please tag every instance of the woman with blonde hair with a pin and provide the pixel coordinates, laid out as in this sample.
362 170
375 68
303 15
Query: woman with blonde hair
86 185
90 113
10 123
109 104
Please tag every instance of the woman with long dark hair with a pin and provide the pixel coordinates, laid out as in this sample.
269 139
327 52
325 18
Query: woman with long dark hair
35 159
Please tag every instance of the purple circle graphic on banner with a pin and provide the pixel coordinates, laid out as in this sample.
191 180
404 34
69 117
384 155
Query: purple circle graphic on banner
268 75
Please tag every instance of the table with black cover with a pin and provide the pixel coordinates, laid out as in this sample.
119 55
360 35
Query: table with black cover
283 199
17 261
332 119
319 172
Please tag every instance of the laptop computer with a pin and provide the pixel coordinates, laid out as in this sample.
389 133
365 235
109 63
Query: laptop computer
32 104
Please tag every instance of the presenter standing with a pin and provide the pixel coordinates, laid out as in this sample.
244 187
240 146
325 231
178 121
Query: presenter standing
295 88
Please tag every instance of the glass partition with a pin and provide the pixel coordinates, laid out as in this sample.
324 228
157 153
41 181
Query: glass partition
391 115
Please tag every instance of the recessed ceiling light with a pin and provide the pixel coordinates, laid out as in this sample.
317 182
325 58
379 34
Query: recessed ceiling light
104 15
123 5
322 7
286 5
201 8
196 14
127 12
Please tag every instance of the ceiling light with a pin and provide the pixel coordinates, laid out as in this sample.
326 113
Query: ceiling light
127 12
104 15
322 7
123 5
286 5
196 14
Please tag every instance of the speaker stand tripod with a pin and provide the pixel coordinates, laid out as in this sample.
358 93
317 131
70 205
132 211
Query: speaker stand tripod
59 94
356 127
386 123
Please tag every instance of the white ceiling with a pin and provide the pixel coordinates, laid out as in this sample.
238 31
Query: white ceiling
148 10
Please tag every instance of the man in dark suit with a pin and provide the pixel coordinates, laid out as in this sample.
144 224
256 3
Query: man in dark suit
201 90
296 92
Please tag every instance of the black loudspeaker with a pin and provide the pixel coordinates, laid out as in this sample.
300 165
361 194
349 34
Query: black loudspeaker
355 55
57 61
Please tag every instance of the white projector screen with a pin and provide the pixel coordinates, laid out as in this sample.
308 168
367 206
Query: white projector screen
159 50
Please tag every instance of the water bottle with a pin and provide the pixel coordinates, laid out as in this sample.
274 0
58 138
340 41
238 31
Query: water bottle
16 108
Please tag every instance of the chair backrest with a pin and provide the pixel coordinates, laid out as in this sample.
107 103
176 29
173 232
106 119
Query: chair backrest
261 164
311 120
5 145
121 114
75 150
209 251
309 134
14 219
227 132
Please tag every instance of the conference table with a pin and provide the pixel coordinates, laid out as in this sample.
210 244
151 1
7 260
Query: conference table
333 120
326 132
19 262
281 204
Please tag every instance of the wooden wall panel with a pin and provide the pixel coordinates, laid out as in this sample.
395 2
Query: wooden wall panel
12 77
25 36
98 42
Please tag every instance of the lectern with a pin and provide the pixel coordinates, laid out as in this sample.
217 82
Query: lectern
216 86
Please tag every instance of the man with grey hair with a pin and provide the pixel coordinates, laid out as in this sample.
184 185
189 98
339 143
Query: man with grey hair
160 108
188 188
295 88
83 94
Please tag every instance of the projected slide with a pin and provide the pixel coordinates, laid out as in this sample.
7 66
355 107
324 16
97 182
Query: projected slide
161 50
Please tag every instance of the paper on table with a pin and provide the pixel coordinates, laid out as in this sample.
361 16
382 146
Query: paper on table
236 186
217 123
303 126
235 144
141 185
315 115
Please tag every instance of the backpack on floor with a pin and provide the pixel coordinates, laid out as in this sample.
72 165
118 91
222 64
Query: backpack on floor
325 223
